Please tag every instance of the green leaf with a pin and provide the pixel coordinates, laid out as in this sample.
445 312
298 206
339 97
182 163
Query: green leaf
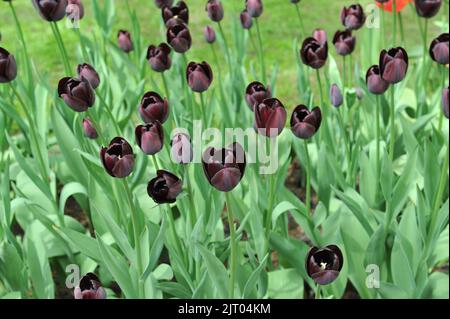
253 279
40 272
285 284
216 270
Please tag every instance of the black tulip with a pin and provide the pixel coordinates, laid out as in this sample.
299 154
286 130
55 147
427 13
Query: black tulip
164 188
163 3
179 38
374 81
336 95
210 34
181 149
51 10
254 7
159 57
246 19
215 10
439 49
89 129
256 93
118 158
87 71
89 287
8 66
353 17
199 76
77 93
344 42
393 65
314 53
75 10
154 108
125 42
270 117
150 137
427 8
323 265
305 123
178 14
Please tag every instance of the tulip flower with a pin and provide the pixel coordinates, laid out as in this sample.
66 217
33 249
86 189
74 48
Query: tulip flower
89 129
181 149
51 10
178 14
374 81
77 93
254 7
336 96
295 1
270 117
314 53
89 287
353 17
159 57
210 34
320 35
75 10
8 66
323 265
164 188
224 168
215 10
118 158
246 20
393 65
154 108
87 72
255 93
439 49
344 42
150 137
427 8
387 5
445 101
163 3
179 38
305 123
124 41
199 76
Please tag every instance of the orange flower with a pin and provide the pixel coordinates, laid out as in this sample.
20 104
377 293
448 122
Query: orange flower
388 5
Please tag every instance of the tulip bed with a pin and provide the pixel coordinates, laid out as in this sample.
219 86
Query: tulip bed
143 173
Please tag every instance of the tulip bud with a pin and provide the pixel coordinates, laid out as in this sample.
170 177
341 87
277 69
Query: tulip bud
246 20
87 72
313 53
374 81
53 10
154 108
159 57
270 117
164 188
256 93
320 35
163 3
179 38
210 35
75 10
77 93
393 65
254 7
336 96
89 129
445 101
344 42
150 137
427 8
125 42
118 158
353 17
359 93
305 123
323 265
181 149
178 14
224 168
215 10
439 49
199 76
89 287
8 66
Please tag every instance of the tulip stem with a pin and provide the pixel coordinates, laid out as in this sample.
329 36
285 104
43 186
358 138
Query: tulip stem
108 111
346 141
232 262
227 52
441 114
317 292
192 212
392 140
222 94
202 110
402 31
62 48
308 178
302 28
394 13
261 53
166 89
377 121
173 230
155 162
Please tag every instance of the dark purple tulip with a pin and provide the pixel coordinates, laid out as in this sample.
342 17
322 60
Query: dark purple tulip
445 101
323 265
154 108
75 10
374 81
178 14
215 10
439 49
224 168
427 8
87 71
51 10
246 19
89 287
181 149
118 158
124 41
163 3
210 34
159 57
150 137
89 129
305 123
344 42
254 7
179 38
393 65
199 76
295 1
270 117
77 93
313 53
320 35
8 66
164 188
336 96
255 93
353 17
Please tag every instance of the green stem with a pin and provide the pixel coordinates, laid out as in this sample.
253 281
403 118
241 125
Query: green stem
308 178
261 53
166 89
233 257
62 48
392 140
227 52
202 110
155 162
192 212
302 28
377 121
173 230
441 113
83 46
317 292
383 29
394 12
402 30
346 142
108 111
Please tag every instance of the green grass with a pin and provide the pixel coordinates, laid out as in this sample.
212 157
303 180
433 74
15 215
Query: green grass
279 29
